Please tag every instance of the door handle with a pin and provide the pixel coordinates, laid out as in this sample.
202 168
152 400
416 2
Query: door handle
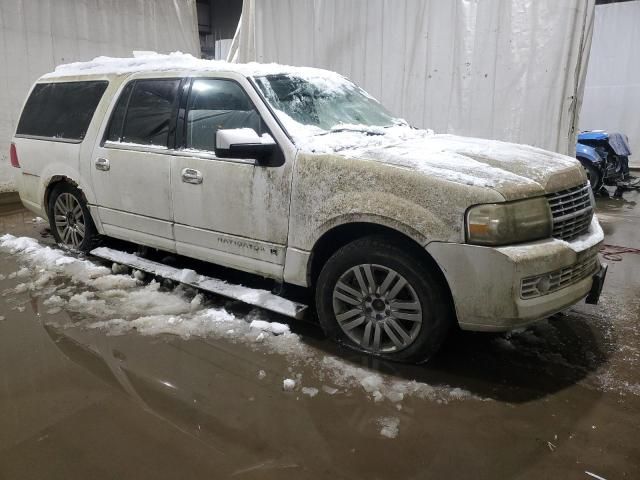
189 175
102 164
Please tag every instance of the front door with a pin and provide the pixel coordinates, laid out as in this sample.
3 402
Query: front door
233 212
131 170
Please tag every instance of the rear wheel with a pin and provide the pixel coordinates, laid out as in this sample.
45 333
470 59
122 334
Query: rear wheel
376 297
70 220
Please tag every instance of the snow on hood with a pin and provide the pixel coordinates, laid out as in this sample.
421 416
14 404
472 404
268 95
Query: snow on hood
502 166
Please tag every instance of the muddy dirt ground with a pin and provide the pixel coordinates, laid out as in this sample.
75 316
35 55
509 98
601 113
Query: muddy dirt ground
85 399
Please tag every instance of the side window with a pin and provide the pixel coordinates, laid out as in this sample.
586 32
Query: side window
214 105
114 133
151 111
61 110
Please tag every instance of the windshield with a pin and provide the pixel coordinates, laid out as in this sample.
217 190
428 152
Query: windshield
316 105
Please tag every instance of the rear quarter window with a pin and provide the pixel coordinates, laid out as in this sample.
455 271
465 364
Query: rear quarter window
61 110
151 112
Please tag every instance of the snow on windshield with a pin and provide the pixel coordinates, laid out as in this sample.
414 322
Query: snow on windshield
323 104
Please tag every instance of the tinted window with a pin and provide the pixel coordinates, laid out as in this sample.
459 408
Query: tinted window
117 117
61 110
214 105
151 112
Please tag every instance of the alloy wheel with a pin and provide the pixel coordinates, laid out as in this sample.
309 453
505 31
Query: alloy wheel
69 220
377 308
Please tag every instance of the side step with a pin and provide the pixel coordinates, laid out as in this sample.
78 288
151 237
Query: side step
252 296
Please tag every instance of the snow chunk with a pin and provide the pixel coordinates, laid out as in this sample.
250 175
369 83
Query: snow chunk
273 327
311 391
54 301
113 282
187 275
262 374
329 390
196 302
138 275
22 273
288 384
371 383
390 426
2 318
117 269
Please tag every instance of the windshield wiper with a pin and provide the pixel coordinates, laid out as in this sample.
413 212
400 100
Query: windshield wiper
364 130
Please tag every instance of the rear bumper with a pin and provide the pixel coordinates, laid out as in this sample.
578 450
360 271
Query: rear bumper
487 283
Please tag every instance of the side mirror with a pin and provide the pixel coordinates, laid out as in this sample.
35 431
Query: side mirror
244 143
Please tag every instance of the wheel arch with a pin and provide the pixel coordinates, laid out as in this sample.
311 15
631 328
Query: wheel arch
52 183
340 235
58 179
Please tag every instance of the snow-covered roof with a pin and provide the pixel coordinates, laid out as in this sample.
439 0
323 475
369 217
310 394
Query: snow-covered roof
154 62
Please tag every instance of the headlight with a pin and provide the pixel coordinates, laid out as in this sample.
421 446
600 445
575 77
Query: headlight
508 223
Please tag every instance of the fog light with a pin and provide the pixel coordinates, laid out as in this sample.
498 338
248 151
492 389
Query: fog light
543 284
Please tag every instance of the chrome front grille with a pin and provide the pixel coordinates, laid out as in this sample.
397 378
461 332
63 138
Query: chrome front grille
572 210
551 282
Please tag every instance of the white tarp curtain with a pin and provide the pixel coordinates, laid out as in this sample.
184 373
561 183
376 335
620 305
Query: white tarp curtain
37 35
612 87
503 69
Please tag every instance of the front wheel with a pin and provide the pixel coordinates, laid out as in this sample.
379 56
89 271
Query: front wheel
376 297
70 220
594 176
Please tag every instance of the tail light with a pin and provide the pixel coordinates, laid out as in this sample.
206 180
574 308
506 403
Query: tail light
13 153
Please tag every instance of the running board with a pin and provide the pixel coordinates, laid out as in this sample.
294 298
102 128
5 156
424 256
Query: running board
252 296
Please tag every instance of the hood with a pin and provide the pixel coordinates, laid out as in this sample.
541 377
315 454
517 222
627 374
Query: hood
597 135
515 171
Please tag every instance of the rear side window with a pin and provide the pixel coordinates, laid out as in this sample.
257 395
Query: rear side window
151 112
61 110
117 117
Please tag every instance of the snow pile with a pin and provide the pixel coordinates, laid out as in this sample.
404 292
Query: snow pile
119 304
383 388
150 61
252 296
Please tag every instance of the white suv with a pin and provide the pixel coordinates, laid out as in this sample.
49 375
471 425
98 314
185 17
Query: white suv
298 175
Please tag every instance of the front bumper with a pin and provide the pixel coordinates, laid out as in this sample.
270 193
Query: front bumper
487 283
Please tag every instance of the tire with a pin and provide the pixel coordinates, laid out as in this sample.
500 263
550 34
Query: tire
594 176
70 220
349 310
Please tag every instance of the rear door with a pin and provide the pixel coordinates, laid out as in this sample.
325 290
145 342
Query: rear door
131 167
237 211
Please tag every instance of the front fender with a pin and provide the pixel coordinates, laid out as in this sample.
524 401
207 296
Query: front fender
330 190
585 153
383 209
